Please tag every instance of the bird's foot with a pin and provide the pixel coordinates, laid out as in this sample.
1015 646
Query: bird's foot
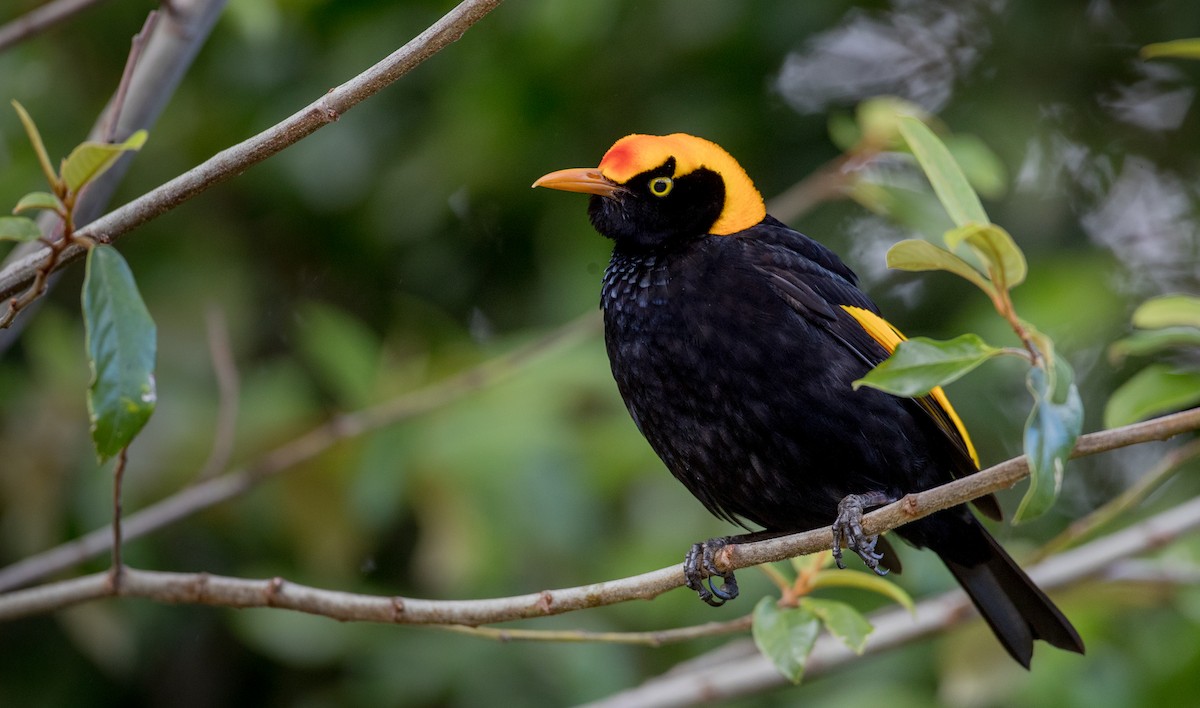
848 528
700 567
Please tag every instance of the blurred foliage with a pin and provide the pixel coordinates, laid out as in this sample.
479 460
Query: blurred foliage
402 244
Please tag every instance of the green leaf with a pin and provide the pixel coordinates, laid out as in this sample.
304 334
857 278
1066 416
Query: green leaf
878 120
920 364
1178 48
1050 434
918 255
121 348
785 636
1152 341
1157 389
865 581
37 200
18 228
949 183
39 148
1168 311
996 248
842 621
89 160
984 169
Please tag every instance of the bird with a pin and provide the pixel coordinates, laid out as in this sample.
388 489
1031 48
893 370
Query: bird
735 342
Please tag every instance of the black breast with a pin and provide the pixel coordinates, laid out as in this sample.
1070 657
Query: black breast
746 401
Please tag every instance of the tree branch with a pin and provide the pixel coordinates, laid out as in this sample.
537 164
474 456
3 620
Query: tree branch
237 159
276 592
41 19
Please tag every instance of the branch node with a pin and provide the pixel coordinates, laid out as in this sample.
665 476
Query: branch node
910 505
545 601
397 609
274 588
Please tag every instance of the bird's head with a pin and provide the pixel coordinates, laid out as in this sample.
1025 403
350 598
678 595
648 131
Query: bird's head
652 190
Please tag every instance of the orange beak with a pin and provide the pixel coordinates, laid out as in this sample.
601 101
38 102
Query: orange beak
587 180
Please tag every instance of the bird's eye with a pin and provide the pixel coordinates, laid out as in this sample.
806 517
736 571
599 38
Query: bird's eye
661 186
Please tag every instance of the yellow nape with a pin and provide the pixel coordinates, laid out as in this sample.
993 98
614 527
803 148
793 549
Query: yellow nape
635 154
889 337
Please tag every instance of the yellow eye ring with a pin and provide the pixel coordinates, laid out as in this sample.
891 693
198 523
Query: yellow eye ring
661 186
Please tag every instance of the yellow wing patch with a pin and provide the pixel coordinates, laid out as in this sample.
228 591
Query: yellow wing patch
634 154
889 337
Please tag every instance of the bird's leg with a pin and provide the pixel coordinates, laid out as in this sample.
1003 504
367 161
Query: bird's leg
700 567
848 527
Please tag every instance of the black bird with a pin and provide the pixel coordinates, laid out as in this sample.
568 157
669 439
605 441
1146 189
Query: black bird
734 341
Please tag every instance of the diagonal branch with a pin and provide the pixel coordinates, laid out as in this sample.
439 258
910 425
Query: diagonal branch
276 592
40 19
222 488
238 158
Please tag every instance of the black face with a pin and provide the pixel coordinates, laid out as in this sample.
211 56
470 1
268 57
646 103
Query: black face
656 209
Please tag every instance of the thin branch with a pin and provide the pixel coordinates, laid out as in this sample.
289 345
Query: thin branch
228 388
237 159
136 49
225 487
118 565
40 19
744 671
276 592
655 638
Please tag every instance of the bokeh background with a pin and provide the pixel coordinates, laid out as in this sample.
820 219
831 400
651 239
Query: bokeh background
402 245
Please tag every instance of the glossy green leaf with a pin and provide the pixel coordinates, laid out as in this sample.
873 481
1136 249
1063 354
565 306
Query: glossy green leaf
121 345
1152 341
1168 311
785 636
842 621
918 255
865 581
994 246
39 148
37 200
1050 434
89 160
18 228
920 364
1177 49
947 178
1157 389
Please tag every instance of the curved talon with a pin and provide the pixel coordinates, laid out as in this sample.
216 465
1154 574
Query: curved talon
848 526
700 567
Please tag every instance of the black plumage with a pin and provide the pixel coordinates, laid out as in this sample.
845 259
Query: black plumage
734 341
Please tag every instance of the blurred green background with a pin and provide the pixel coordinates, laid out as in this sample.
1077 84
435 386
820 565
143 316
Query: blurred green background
402 244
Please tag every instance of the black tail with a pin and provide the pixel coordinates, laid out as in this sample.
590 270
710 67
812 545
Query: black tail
1017 610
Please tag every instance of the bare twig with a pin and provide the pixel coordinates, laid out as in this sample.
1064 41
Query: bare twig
656 638
118 565
136 49
312 443
228 387
41 19
237 159
276 592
